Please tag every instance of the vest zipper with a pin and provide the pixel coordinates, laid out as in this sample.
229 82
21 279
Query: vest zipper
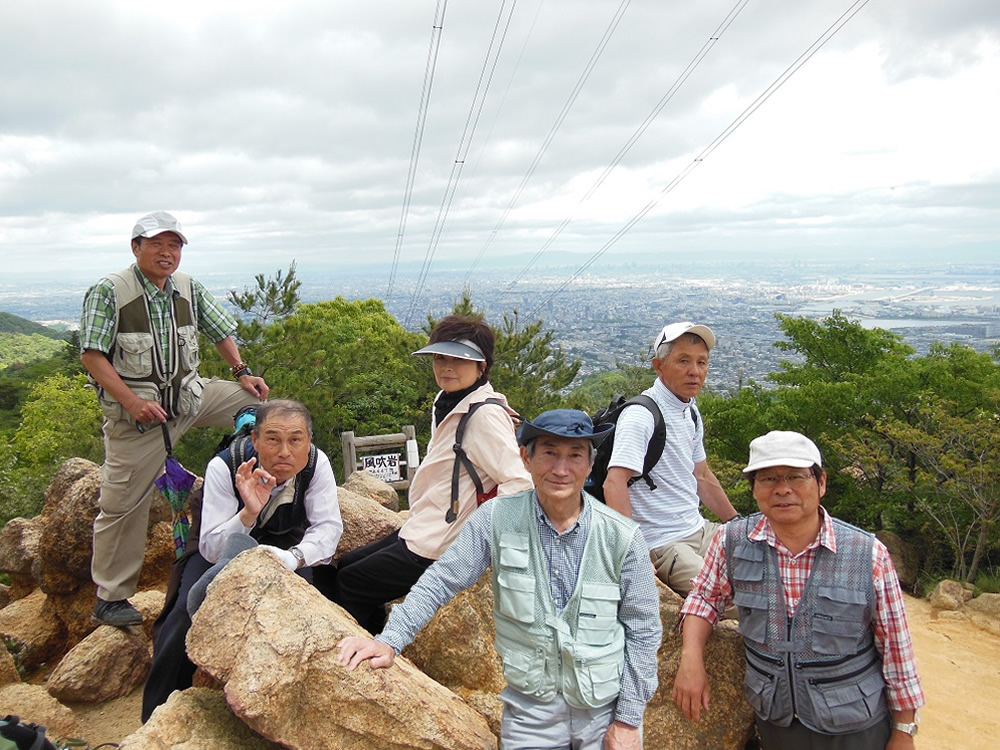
791 673
813 663
766 657
841 678
760 670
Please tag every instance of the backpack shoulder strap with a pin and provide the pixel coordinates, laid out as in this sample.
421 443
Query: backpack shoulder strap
238 451
304 478
462 458
654 449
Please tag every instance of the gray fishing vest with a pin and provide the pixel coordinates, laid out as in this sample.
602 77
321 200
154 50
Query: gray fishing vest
135 353
579 652
820 666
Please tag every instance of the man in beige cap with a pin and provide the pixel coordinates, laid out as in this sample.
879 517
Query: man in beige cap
139 342
829 657
666 501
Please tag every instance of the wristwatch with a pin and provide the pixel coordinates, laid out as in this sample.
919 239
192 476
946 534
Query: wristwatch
301 560
910 728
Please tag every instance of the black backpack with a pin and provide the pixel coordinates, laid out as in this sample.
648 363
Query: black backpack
654 450
16 734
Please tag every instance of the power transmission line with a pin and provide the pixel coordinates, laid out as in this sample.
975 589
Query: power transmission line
418 136
681 79
825 37
475 110
588 69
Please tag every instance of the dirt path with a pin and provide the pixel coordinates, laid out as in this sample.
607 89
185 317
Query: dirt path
959 664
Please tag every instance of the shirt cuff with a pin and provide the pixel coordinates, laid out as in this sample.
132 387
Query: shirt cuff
629 711
391 639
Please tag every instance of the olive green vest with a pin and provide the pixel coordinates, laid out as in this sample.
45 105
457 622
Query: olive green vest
579 652
135 353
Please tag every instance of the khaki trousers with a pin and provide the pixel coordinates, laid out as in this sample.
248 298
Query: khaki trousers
132 462
679 561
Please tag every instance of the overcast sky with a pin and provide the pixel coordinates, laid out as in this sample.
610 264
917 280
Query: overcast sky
280 131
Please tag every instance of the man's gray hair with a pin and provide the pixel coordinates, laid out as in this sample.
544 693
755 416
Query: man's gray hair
664 349
284 407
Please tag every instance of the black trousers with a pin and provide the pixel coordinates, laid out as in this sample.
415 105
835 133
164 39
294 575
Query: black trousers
798 737
377 573
172 669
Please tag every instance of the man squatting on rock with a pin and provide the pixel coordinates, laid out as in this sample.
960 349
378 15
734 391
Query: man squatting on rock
574 600
675 531
274 488
139 342
829 659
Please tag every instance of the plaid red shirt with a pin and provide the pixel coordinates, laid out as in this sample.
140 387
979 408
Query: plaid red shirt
713 593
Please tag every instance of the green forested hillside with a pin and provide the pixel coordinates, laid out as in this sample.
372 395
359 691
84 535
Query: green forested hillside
20 348
10 323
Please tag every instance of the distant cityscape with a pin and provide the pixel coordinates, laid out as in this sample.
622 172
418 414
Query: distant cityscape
612 316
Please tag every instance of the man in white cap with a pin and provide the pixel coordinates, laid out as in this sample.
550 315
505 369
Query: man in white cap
139 342
829 657
666 501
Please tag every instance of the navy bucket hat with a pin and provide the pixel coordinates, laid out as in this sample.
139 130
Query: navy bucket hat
564 423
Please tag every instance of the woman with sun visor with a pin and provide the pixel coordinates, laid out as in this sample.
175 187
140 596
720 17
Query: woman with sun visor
450 483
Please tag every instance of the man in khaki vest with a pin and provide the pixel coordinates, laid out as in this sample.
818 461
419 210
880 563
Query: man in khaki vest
139 342
574 600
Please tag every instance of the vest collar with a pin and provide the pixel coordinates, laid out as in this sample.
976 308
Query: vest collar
763 532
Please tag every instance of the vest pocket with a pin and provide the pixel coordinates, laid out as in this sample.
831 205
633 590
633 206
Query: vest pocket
113 410
840 621
597 621
189 398
752 614
516 596
848 704
600 682
133 355
514 551
759 687
187 344
523 671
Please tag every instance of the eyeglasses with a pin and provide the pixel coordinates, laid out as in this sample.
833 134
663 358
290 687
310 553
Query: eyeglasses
794 479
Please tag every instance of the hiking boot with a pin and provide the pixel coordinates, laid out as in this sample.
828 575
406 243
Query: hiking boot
119 613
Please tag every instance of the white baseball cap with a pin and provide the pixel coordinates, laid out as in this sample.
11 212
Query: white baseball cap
156 223
783 448
674 330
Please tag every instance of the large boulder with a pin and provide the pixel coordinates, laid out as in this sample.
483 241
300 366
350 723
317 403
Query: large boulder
158 558
905 558
109 663
728 724
365 521
368 485
949 595
456 647
8 669
984 611
67 528
195 719
271 638
33 704
18 550
32 630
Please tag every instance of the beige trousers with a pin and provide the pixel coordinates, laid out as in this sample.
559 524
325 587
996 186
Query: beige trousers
132 462
679 561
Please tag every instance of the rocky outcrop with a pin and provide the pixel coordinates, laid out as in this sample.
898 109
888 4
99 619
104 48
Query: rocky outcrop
456 647
67 528
107 664
271 638
18 550
365 521
33 704
33 630
196 719
8 669
984 611
366 484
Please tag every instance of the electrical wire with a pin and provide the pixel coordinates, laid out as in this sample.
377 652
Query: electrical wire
567 106
475 111
674 88
825 37
437 28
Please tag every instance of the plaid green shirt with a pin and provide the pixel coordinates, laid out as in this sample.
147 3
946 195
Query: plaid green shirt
98 323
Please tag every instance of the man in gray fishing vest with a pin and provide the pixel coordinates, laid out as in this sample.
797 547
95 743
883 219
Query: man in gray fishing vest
829 661
139 342
574 600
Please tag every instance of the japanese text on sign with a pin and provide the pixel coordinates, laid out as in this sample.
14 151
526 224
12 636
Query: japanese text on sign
384 465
